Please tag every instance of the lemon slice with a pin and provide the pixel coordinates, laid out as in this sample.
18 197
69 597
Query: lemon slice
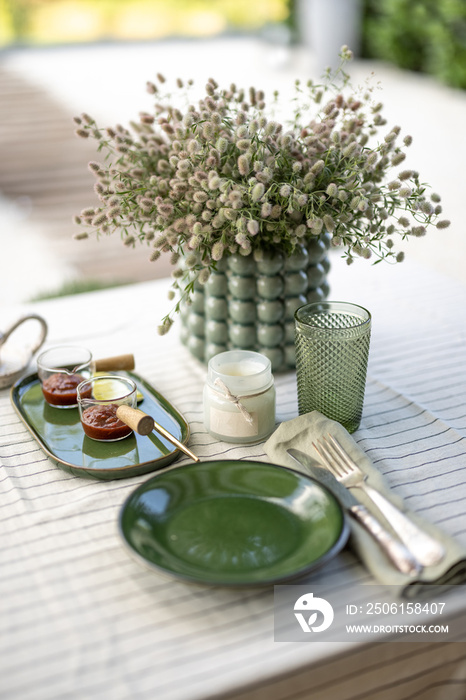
109 389
106 390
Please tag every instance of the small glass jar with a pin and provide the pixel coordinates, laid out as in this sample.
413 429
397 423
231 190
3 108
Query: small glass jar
98 402
60 370
239 397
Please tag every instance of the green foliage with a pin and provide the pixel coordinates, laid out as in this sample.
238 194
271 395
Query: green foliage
428 36
72 287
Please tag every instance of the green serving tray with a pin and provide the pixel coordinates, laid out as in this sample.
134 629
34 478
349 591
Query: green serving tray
59 433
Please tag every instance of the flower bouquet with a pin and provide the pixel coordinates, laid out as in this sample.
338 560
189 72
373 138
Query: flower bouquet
222 176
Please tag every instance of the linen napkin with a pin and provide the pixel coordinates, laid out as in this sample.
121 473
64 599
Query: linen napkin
300 433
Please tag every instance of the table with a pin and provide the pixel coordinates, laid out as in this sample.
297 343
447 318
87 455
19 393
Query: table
81 619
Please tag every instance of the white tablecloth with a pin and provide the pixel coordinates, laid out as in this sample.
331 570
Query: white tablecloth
81 619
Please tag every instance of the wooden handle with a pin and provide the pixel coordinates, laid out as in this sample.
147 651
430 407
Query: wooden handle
144 424
108 364
135 419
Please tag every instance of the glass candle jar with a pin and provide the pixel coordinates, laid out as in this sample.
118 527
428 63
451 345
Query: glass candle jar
239 397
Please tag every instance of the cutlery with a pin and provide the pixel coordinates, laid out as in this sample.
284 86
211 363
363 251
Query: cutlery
428 551
143 424
395 550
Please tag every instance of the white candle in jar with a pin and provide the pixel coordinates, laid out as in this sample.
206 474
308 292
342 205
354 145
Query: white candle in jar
239 397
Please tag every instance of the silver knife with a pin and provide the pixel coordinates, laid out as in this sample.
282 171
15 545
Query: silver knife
395 550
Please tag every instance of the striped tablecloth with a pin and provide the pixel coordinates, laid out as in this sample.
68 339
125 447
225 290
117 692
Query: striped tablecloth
81 619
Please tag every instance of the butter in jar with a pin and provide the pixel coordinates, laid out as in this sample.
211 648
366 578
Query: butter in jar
239 397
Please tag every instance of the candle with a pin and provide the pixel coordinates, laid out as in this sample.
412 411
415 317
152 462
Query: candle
239 397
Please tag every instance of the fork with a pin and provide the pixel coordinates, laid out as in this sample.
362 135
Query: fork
427 550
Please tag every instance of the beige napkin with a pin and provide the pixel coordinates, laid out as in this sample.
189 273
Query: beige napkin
300 433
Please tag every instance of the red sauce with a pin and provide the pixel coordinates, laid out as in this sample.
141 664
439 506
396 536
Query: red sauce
60 389
100 422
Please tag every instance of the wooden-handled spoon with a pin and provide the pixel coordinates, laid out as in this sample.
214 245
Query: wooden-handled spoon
143 424
110 364
106 364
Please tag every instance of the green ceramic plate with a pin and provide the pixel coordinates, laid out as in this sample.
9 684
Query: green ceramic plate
233 523
60 435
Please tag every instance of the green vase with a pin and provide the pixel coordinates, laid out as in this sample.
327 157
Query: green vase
250 305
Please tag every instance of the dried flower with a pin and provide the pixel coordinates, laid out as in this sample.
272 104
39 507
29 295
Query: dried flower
443 224
405 192
329 223
398 158
203 276
113 212
220 177
99 219
253 227
243 165
257 192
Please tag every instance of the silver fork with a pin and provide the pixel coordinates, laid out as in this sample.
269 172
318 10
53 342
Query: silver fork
427 550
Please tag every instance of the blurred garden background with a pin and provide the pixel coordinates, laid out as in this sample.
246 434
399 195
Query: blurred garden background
428 36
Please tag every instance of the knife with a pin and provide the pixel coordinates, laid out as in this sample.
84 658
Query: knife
398 554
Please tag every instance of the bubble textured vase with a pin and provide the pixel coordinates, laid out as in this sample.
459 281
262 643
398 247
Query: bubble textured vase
250 305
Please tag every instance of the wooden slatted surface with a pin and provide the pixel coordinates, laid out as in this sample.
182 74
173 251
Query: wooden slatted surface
43 165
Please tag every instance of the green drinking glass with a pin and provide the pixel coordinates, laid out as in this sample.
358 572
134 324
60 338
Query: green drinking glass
332 348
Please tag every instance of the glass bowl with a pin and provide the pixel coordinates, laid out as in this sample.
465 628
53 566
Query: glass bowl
60 370
98 402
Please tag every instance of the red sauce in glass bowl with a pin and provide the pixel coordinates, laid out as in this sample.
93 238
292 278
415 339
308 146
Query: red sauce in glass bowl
60 389
100 422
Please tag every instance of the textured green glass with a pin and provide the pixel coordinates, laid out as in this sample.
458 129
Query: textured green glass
332 348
